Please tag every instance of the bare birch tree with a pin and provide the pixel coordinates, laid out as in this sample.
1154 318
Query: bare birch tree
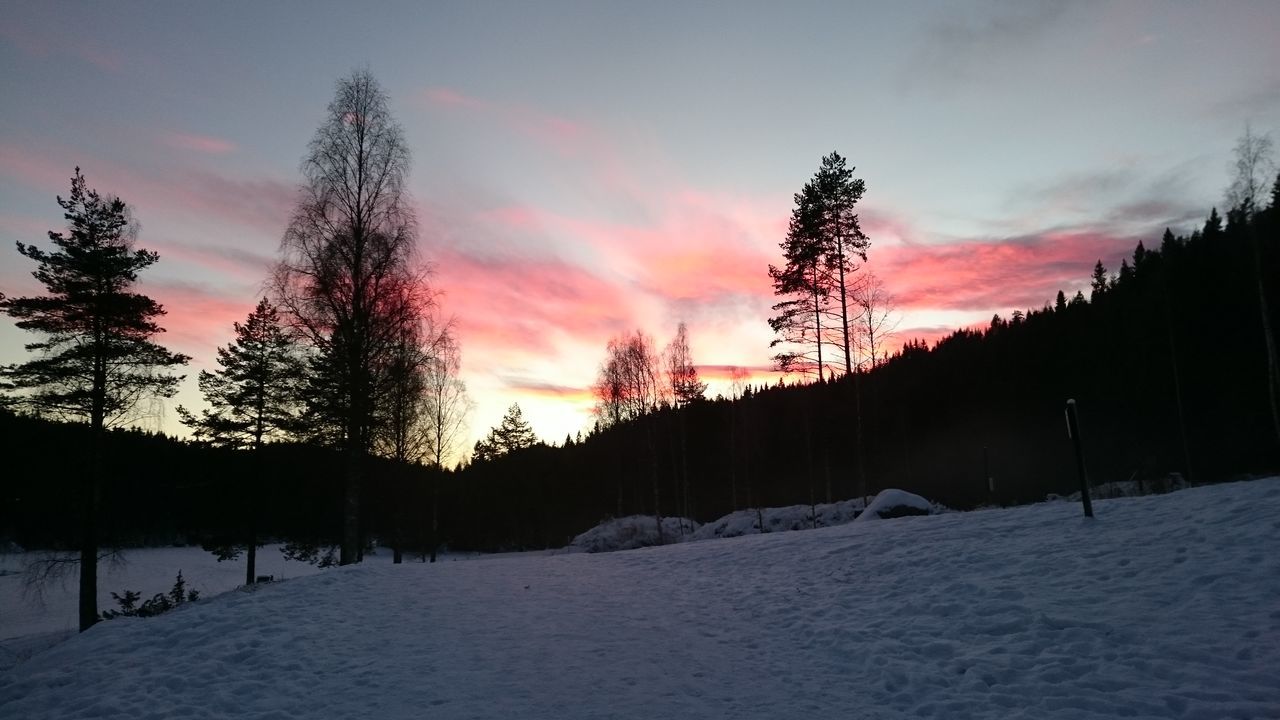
346 271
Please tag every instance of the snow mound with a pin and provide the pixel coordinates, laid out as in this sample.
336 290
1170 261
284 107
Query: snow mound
780 519
629 533
896 503
1130 488
887 504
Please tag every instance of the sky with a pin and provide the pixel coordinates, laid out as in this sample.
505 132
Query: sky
584 169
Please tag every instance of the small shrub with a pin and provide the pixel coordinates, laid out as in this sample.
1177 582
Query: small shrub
159 603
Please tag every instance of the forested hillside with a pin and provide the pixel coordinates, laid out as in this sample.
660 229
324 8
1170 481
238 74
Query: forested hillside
1165 356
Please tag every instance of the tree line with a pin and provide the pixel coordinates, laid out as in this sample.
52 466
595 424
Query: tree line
333 410
347 350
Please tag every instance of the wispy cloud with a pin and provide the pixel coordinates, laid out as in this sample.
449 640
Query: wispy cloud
521 118
977 42
41 41
261 203
205 144
997 274
530 387
199 315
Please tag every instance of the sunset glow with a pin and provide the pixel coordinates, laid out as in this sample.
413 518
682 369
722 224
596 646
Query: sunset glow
634 168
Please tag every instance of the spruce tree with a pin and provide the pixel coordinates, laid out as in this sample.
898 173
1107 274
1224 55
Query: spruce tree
513 433
97 358
253 398
1098 281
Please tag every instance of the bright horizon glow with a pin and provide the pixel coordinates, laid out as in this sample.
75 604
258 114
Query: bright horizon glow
584 170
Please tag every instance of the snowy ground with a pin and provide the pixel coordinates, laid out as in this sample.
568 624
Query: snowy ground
31 621
1161 607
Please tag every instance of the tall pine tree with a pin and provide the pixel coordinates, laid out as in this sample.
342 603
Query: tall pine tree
97 358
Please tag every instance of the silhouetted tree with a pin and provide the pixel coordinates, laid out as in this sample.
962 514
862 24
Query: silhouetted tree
1253 165
1250 169
876 320
823 239
1098 281
627 386
513 433
682 375
802 281
685 388
842 239
254 397
345 281
445 408
97 357
628 389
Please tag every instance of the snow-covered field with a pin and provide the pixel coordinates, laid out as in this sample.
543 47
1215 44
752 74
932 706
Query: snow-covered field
1161 607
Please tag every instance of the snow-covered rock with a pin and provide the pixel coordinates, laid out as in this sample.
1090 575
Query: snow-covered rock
896 503
780 519
887 504
631 532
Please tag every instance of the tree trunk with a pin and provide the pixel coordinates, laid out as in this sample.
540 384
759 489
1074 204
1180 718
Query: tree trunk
733 455
251 511
1177 389
653 474
92 493
861 445
350 550
435 512
844 310
684 467
89 533
1268 336
251 558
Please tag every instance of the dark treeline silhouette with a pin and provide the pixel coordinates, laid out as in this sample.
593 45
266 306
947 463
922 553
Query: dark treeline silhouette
1166 358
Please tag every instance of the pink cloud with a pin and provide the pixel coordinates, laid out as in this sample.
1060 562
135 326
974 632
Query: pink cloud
689 254
451 98
41 42
996 274
228 261
520 118
509 305
198 317
198 143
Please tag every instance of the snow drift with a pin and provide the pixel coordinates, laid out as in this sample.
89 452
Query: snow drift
1160 607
